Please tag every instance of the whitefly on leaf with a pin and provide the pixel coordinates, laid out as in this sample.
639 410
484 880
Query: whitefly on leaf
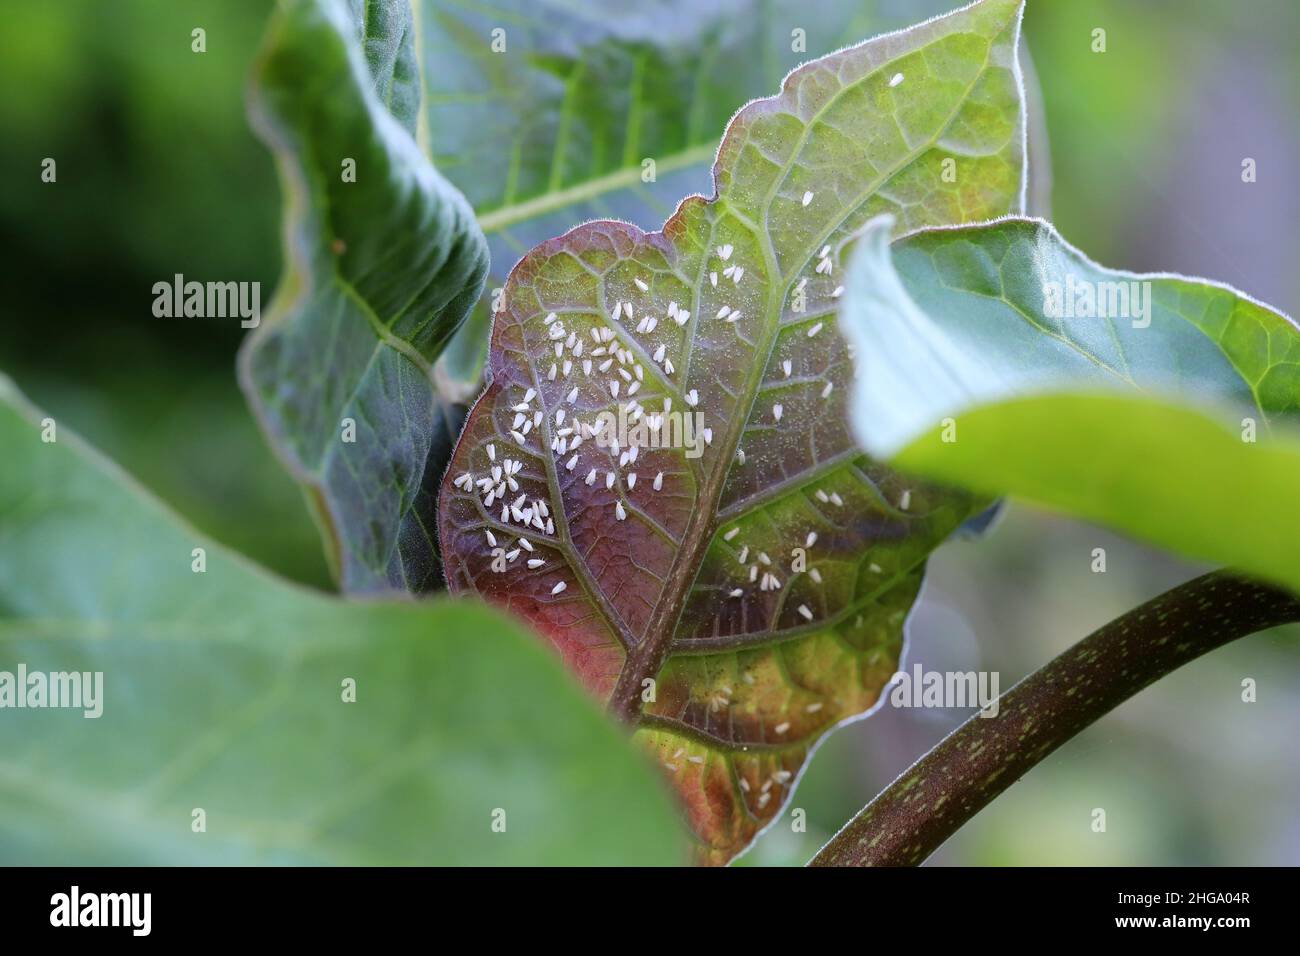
661 477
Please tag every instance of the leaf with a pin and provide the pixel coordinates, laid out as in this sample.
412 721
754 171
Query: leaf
558 127
222 690
557 124
380 273
1133 416
632 578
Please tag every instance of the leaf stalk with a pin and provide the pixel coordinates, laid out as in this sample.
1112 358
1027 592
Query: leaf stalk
965 771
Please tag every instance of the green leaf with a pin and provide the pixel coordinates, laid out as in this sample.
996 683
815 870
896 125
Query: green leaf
223 691
660 566
556 128
561 120
386 30
1167 409
381 271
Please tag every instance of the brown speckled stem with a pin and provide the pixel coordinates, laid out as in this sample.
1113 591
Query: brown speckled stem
916 813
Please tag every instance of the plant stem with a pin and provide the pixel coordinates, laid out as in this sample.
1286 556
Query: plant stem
916 813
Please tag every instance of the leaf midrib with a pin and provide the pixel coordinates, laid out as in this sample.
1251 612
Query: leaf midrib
503 217
646 659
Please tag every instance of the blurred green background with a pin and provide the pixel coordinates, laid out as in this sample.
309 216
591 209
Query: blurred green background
158 173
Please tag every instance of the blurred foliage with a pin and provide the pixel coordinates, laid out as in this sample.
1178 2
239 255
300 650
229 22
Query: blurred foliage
1147 138
159 174
307 729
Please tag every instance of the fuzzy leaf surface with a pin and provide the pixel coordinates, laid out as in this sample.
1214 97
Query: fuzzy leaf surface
380 273
1000 358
